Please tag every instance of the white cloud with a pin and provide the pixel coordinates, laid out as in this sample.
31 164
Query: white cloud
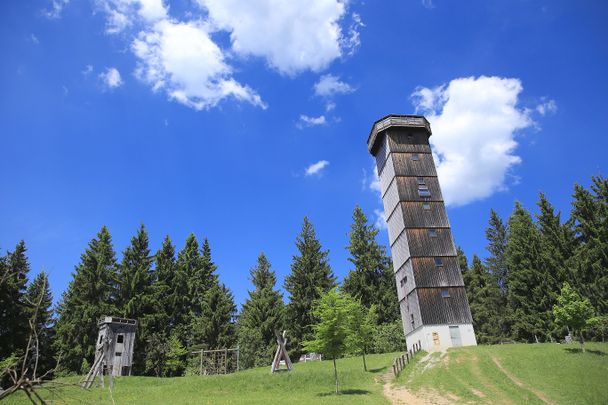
182 59
306 121
330 85
56 8
293 36
316 168
330 106
380 221
547 107
428 4
34 39
474 122
88 69
111 78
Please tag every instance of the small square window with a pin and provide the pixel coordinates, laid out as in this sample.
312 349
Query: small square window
438 262
423 187
403 281
120 339
445 293
424 193
420 181
412 318
118 354
415 157
410 138
426 206
433 233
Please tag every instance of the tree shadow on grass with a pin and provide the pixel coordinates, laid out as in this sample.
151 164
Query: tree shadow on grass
344 392
579 350
377 370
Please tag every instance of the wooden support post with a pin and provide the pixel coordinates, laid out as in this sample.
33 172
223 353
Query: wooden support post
407 357
200 371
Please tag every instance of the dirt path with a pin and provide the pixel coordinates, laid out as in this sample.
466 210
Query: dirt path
402 396
539 394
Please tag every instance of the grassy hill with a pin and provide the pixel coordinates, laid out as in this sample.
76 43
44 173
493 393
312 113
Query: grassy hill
509 374
512 374
311 382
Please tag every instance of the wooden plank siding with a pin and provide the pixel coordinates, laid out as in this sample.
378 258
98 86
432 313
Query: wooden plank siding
395 224
399 140
420 244
390 199
404 165
436 309
382 153
414 216
400 251
428 274
386 177
408 189
404 277
411 306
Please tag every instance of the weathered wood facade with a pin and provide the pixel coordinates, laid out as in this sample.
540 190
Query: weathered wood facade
429 282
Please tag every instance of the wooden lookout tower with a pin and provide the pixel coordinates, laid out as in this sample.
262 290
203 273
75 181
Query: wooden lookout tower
114 349
434 307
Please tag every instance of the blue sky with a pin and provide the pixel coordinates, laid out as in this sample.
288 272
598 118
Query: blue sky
233 121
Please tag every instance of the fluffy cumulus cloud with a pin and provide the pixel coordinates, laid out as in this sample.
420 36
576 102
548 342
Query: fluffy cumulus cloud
293 36
181 58
55 9
307 121
474 123
330 85
111 78
316 168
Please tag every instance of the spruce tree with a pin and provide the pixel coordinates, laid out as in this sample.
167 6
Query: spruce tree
310 277
39 300
214 328
485 300
14 327
164 274
262 314
528 300
497 234
179 298
590 261
371 281
90 295
135 294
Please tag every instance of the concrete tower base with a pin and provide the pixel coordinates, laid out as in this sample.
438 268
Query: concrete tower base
434 338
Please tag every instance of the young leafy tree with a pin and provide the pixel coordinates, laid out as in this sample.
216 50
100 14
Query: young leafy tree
361 327
485 300
371 281
90 295
573 311
39 300
331 331
262 314
310 277
13 309
214 328
528 300
135 294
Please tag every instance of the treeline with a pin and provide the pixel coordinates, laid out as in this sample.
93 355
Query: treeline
181 305
512 292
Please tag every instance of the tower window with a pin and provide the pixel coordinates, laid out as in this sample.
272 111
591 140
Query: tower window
410 138
118 354
424 192
438 262
426 206
420 181
120 339
403 281
433 233
412 318
415 157
445 293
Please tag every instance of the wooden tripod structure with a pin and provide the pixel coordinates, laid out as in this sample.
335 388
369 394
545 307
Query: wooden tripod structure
281 354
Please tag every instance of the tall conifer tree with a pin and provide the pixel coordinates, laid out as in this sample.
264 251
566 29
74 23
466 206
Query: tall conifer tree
310 277
14 325
90 295
485 300
40 301
527 297
371 281
590 261
214 328
262 314
135 294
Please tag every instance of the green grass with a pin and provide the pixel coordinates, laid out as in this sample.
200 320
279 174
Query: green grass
311 382
558 374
